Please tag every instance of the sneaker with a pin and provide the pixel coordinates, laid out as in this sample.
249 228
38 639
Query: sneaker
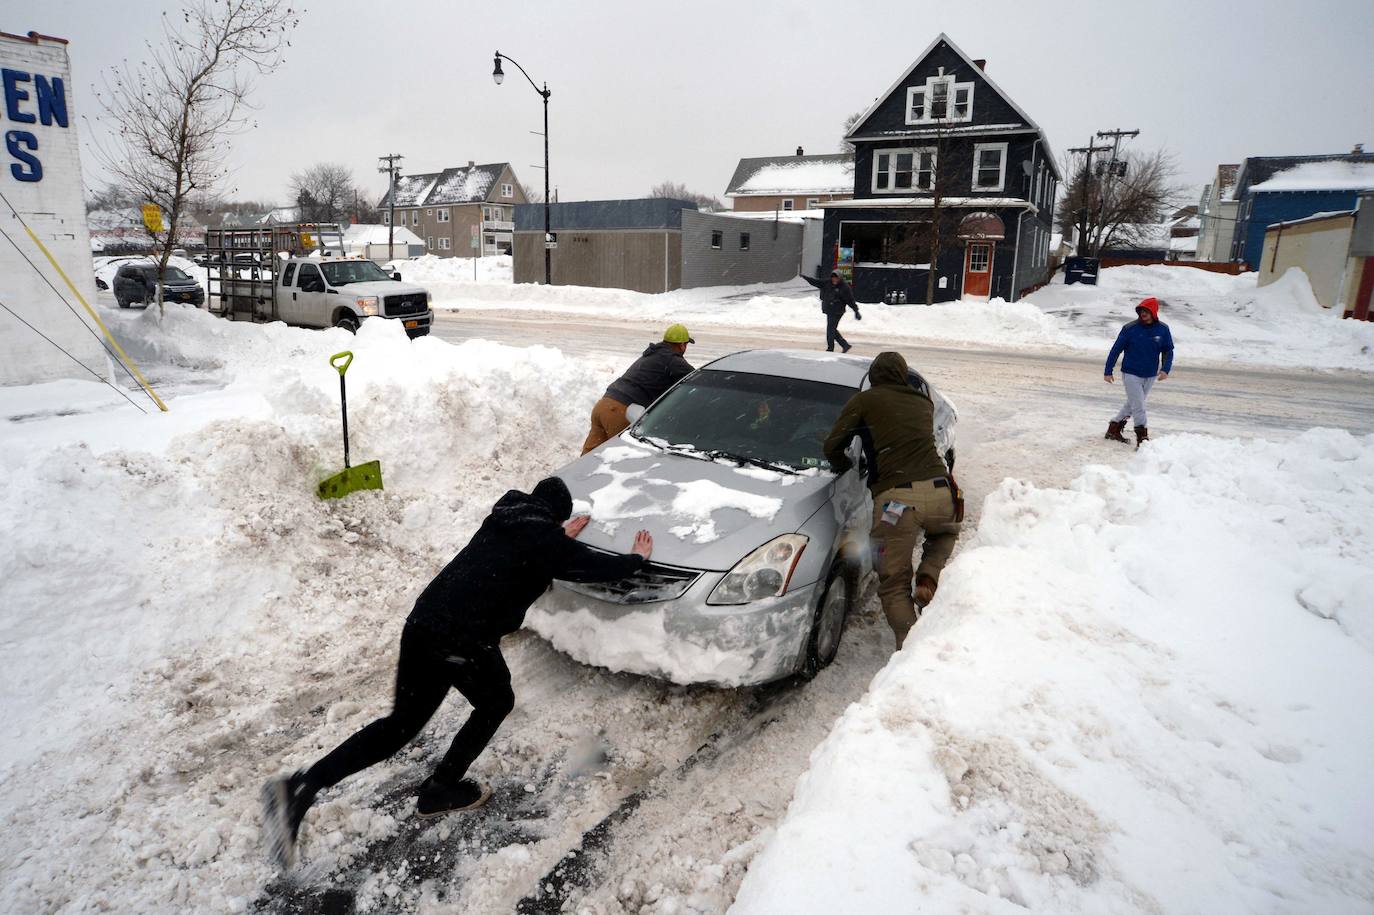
284 803
437 798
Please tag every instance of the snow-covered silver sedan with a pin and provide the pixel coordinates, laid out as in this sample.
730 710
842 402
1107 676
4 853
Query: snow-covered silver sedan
758 547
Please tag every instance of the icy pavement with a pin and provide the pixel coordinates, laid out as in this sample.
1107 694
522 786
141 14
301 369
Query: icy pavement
1137 694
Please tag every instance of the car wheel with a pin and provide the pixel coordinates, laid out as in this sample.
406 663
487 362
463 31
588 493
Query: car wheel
347 322
827 626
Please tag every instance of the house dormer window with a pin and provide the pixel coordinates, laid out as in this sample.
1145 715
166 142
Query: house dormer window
989 166
940 100
897 171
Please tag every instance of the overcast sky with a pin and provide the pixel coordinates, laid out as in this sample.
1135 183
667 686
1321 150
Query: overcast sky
645 92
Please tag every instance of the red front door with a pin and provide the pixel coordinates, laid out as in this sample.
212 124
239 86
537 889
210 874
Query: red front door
977 270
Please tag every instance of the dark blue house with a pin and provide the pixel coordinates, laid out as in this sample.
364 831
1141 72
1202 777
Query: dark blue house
1275 189
946 164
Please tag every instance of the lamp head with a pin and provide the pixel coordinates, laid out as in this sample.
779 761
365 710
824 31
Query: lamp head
496 74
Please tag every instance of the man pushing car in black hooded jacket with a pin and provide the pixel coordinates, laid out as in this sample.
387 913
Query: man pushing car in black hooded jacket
451 640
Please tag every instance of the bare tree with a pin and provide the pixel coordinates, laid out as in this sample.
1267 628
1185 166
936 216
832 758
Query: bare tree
324 192
949 166
172 113
677 191
532 194
849 122
1108 204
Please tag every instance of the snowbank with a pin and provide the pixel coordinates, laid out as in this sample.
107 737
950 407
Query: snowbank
431 271
1141 694
176 600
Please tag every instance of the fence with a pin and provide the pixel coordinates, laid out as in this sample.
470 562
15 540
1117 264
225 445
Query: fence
1211 266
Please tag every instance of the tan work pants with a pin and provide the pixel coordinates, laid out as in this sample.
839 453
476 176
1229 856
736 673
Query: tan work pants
929 508
608 421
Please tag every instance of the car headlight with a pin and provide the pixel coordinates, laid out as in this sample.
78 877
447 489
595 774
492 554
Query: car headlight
368 304
766 572
429 297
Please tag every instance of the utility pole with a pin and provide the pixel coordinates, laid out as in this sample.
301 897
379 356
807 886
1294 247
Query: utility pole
391 167
1115 136
1085 195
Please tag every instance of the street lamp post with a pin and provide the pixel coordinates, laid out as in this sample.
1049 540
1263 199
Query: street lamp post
544 93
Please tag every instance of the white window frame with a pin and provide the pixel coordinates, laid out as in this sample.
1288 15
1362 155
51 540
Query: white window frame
812 202
429 211
916 170
414 217
445 243
386 217
978 149
443 214
789 204
927 90
507 190
717 239
486 214
429 241
744 241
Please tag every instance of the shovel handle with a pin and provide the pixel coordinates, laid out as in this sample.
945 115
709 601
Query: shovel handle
341 361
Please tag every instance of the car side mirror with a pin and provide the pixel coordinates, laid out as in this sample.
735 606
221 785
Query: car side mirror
396 277
633 412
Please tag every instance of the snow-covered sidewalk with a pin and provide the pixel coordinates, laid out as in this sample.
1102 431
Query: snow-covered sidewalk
1145 693
1215 318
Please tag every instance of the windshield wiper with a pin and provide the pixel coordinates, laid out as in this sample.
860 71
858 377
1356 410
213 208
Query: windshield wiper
742 460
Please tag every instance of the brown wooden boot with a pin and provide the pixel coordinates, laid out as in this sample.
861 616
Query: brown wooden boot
1114 431
1142 435
924 592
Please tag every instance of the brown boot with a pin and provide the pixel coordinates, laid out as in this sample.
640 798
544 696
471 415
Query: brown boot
1114 431
1142 435
925 591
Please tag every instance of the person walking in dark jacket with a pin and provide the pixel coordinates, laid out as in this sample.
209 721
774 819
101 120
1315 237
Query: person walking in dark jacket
660 367
451 640
1148 348
836 296
913 490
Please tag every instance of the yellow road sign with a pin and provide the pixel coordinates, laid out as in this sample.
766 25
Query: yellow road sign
152 217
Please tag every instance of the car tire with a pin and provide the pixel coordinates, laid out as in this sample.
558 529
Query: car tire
827 623
348 322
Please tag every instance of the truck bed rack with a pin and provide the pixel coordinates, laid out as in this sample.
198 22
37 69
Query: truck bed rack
243 264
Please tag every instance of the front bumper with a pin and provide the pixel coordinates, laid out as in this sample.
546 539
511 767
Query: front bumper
415 325
684 640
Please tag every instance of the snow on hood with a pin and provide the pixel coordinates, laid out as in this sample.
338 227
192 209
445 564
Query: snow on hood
703 513
381 288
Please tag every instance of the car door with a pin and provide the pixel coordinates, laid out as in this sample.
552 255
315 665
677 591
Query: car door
309 302
286 293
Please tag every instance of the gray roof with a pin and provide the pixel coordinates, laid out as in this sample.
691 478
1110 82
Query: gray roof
773 175
468 184
643 213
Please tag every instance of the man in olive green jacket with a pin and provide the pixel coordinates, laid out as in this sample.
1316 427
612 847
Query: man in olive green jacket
912 488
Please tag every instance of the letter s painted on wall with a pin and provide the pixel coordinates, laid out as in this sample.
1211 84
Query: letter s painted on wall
26 167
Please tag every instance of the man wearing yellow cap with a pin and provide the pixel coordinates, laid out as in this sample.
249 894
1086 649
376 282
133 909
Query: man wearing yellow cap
644 382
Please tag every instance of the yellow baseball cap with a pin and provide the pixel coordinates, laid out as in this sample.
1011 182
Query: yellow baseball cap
677 334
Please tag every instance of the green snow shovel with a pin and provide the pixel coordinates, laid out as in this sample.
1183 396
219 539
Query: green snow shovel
350 479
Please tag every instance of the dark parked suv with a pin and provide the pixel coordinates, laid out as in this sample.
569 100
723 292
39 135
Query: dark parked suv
137 284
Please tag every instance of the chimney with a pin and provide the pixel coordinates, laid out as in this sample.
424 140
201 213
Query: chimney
471 163
1358 150
981 63
799 151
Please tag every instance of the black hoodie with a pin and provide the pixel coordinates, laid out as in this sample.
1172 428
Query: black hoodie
658 369
483 593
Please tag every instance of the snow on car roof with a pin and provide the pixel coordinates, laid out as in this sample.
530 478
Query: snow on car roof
829 368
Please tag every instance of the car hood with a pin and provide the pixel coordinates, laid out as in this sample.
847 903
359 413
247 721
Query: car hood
703 513
382 288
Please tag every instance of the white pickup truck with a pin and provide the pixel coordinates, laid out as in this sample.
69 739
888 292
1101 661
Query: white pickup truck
341 292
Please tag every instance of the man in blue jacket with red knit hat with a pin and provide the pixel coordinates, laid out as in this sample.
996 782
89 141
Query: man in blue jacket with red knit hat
1147 351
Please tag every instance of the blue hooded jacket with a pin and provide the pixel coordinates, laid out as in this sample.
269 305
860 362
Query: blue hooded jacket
1144 345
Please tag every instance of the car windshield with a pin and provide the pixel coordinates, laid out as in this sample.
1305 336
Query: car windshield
170 275
341 273
761 418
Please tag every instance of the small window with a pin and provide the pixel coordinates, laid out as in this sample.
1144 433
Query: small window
445 243
415 218
903 169
507 190
717 238
489 241
443 215
429 212
486 213
788 203
386 218
812 202
978 258
288 274
429 241
309 279
744 241
989 166
939 99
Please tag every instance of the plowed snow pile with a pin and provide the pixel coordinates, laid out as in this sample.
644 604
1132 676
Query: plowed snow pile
1146 693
